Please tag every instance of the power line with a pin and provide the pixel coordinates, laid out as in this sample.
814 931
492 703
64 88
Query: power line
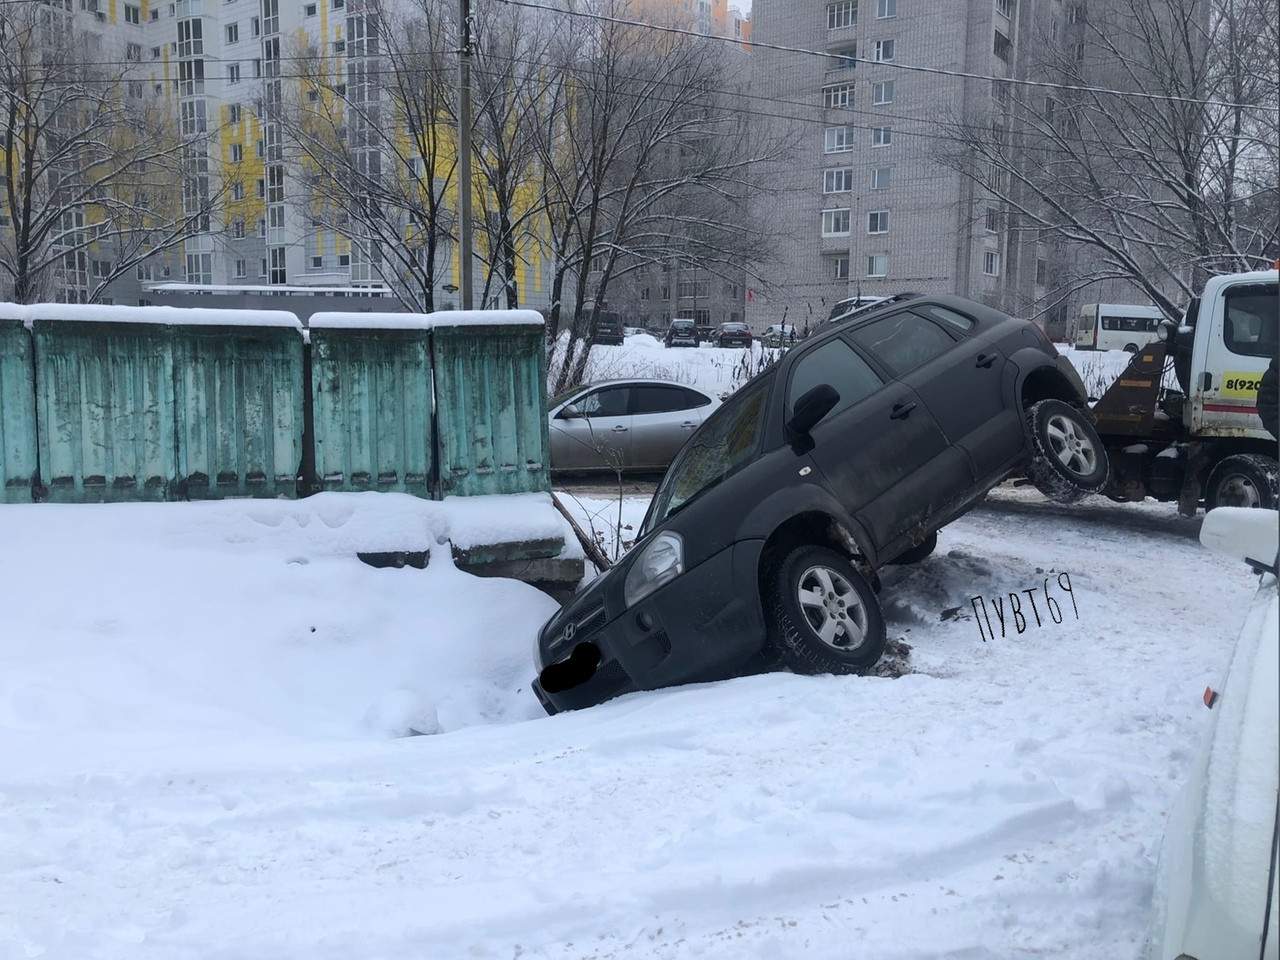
1079 88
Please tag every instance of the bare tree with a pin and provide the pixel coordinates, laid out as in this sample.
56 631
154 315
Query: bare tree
645 158
1154 154
90 160
372 132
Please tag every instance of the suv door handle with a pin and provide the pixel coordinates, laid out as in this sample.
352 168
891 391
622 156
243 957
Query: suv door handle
619 429
986 359
902 410
689 424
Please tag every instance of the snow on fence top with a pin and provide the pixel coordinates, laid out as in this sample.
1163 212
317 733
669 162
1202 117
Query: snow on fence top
175 316
425 321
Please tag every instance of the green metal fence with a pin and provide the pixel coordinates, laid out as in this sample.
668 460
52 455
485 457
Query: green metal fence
238 405
371 402
492 402
105 408
18 465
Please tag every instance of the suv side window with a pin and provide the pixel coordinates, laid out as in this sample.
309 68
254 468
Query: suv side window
609 402
835 363
665 399
903 341
957 320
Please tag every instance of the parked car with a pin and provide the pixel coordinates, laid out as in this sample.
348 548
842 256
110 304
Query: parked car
681 333
609 329
732 335
1216 890
779 335
705 332
852 305
761 545
634 424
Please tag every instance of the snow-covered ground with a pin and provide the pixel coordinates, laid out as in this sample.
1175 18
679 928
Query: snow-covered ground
203 750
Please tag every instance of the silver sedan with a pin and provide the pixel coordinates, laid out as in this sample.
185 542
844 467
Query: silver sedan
624 424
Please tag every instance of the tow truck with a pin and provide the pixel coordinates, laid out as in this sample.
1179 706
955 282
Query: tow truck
1200 442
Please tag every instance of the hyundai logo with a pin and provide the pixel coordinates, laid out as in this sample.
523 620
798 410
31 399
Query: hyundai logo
567 633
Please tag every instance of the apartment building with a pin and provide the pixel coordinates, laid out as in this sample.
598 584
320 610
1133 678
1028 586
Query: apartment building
867 207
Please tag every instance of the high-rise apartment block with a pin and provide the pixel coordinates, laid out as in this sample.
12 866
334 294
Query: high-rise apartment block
869 207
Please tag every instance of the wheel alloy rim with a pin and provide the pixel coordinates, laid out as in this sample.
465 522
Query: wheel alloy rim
1238 490
832 608
1071 446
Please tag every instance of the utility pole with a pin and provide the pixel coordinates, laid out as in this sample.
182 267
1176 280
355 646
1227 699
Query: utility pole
464 152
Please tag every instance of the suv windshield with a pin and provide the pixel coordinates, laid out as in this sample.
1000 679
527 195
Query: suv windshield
728 439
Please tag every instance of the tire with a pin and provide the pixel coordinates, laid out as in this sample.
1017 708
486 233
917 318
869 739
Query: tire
1242 480
801 615
1068 461
919 552
1130 348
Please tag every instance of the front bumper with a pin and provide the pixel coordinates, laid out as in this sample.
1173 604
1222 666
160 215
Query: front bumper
706 624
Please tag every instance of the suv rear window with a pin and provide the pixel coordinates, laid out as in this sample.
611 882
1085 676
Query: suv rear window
903 341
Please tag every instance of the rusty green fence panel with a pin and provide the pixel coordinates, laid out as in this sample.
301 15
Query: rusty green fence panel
104 405
371 402
491 376
17 412
238 403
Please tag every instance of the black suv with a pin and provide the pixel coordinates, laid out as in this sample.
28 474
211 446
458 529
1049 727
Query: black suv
761 545
681 333
733 335
609 328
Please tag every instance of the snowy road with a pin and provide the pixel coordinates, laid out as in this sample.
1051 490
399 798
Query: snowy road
188 767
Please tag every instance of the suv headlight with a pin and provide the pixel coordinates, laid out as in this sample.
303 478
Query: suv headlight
660 562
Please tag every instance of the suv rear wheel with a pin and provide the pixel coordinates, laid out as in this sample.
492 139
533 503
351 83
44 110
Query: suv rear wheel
825 616
1068 461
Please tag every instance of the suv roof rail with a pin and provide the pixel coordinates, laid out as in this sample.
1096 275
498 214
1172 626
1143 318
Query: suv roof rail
871 307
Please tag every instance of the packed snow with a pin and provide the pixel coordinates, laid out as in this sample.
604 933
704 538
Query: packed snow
223 736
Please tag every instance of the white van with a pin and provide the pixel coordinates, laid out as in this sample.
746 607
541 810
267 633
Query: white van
1117 326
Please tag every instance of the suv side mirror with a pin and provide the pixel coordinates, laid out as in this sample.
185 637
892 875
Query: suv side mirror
812 406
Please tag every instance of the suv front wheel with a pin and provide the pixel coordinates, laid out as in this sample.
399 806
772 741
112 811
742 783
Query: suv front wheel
1068 461
824 614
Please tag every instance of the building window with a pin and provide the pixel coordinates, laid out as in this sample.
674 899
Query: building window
881 136
233 73
155 13
838 180
844 13
1002 47
835 223
237 190
878 221
886 9
344 259
240 270
881 178
1004 7
845 59
233 113
1079 52
644 293
233 33
309 10
878 265
991 263
237 155
837 95
1075 13
692 289
263 271
133 52
262 188
882 92
993 220
132 14
841 265
339 46
155 53
995 178
883 52
237 229
255 26
1041 271
838 140
317 263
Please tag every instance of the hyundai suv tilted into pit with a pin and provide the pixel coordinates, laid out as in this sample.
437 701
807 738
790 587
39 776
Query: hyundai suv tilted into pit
761 546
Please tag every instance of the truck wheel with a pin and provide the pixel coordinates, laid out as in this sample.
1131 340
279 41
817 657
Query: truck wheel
919 552
1068 460
825 616
1243 480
